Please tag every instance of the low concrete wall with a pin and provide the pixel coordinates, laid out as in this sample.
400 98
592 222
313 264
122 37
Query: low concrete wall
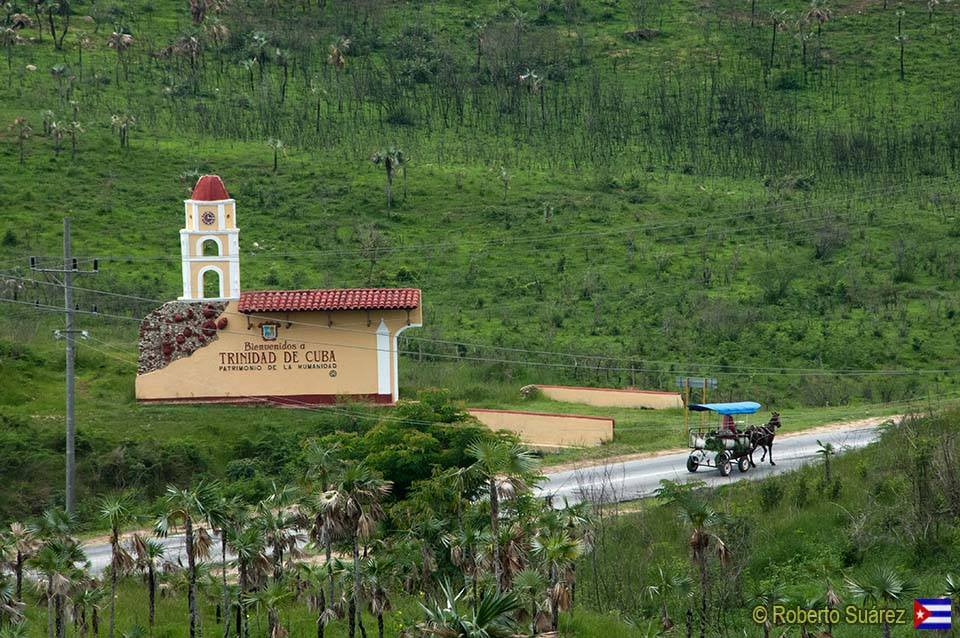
548 430
613 397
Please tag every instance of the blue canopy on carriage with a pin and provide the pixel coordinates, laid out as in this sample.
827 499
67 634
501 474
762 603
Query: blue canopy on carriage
738 407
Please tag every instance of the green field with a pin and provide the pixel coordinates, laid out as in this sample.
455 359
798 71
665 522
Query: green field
679 204
636 209
592 192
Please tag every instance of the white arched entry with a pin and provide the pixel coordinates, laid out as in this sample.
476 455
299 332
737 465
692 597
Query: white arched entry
205 294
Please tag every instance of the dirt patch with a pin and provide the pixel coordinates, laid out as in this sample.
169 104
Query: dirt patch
622 458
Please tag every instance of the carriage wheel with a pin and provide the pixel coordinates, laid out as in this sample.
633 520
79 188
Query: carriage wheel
723 464
743 463
692 463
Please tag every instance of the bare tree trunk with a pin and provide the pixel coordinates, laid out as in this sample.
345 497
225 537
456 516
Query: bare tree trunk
61 628
321 608
113 583
152 585
49 609
554 610
355 596
703 597
494 529
226 592
19 568
191 578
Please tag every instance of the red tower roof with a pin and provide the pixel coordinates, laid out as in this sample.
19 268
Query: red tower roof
337 299
209 188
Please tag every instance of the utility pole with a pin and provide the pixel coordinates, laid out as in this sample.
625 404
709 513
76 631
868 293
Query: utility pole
70 267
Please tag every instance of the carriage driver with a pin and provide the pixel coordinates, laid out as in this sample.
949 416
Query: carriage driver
728 426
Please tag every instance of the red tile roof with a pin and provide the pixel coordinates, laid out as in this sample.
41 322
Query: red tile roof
336 299
209 188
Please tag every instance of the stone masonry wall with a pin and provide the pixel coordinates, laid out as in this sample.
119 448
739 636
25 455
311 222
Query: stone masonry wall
176 329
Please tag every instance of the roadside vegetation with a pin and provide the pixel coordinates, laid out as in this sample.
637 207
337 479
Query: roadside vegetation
470 552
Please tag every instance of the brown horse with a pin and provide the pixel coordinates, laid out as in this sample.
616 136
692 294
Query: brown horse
762 437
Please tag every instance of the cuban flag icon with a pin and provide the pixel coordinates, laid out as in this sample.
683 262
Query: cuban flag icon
931 613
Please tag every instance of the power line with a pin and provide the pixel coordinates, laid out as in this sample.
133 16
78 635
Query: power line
386 417
575 356
744 370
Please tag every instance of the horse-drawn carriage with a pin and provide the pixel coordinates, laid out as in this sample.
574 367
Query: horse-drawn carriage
731 442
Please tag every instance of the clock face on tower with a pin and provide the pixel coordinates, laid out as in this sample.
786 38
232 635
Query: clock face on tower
208 218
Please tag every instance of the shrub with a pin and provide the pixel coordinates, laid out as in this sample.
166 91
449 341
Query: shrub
801 493
770 494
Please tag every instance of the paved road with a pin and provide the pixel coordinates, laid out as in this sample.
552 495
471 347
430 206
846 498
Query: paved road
618 481
175 549
634 479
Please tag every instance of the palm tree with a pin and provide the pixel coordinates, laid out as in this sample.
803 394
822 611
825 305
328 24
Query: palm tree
378 577
87 596
559 551
279 522
185 506
529 585
279 148
338 60
389 160
148 553
73 130
11 609
501 461
778 19
310 581
767 598
24 545
356 504
443 618
224 513
669 584
323 462
465 546
14 630
953 591
702 520
56 561
826 450
23 131
880 587
820 13
123 122
251 562
577 519
120 42
117 512
270 599
9 38
57 132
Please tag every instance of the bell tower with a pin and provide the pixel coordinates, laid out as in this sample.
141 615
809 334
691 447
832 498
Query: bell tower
209 243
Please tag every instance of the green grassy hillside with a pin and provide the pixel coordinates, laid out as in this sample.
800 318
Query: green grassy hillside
594 192
718 192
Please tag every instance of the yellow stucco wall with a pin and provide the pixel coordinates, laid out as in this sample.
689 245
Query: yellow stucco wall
199 208
548 430
612 397
197 267
240 363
